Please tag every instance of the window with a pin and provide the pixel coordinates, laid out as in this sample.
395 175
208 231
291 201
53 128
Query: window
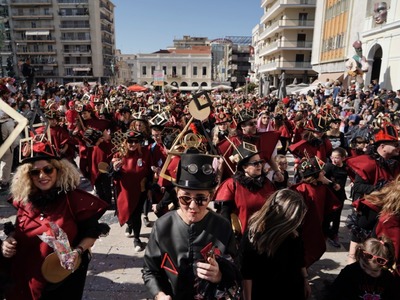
194 71
174 71
144 70
164 70
184 71
153 68
204 71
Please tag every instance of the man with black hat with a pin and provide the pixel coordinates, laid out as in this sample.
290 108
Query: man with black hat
186 257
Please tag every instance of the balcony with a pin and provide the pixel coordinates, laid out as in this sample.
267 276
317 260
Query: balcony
38 29
280 5
274 28
36 16
31 2
35 52
36 41
72 53
285 45
74 2
285 65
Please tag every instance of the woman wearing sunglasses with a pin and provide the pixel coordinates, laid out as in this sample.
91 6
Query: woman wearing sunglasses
44 189
245 192
190 250
371 276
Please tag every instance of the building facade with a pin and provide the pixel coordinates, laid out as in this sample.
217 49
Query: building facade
66 40
283 41
339 23
183 68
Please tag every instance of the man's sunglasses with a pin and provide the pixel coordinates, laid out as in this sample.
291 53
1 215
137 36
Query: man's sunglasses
379 259
47 170
199 200
256 163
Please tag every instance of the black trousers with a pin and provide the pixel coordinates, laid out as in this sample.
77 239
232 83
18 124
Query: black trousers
135 220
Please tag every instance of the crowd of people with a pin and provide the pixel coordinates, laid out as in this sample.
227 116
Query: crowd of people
212 166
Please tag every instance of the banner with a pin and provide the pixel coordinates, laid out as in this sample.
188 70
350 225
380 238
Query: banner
158 78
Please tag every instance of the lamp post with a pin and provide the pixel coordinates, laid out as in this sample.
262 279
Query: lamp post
247 85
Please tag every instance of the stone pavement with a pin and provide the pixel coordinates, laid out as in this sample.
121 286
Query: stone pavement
115 270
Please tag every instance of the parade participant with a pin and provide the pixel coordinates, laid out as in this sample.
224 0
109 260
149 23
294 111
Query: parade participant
264 122
282 163
358 146
222 128
320 201
140 124
101 153
190 250
132 172
124 119
379 166
336 171
335 136
369 277
158 154
377 214
314 141
87 120
284 132
245 192
273 243
44 189
71 117
60 137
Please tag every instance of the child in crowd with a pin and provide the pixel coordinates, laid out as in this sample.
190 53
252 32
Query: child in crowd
370 277
282 164
336 171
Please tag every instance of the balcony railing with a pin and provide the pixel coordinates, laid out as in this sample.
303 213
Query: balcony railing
283 4
76 2
279 45
30 2
302 65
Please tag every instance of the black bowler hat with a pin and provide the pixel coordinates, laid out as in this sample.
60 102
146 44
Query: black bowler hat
196 172
40 151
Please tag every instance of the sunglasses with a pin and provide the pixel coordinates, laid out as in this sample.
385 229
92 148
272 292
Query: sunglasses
379 259
256 163
186 200
47 170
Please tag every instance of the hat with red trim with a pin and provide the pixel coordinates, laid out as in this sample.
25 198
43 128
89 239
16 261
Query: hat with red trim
388 133
317 124
310 166
39 151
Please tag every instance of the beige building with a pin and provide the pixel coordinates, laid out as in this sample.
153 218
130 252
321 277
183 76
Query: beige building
283 41
183 68
66 40
375 23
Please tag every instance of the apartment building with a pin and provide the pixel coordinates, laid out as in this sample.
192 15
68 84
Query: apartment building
66 40
283 41
341 22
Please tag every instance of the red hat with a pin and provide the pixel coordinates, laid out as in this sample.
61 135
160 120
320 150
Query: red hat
387 133
71 104
221 118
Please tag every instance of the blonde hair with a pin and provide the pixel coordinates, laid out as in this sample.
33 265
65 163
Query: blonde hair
387 198
22 187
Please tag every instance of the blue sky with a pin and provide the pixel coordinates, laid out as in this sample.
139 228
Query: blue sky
145 26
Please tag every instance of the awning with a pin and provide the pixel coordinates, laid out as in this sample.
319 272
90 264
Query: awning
331 76
40 32
81 69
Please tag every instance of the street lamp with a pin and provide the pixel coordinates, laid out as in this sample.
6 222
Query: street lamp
247 84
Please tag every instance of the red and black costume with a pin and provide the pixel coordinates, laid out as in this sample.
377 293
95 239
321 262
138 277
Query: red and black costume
131 186
321 202
76 213
371 173
243 195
